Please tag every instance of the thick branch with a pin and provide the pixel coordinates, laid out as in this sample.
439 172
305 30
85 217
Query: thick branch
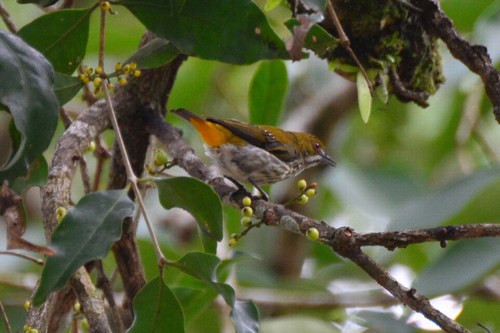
475 57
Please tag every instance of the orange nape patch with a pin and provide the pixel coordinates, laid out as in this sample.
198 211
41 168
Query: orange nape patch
212 134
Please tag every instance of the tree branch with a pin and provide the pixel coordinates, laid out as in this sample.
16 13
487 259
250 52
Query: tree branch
475 57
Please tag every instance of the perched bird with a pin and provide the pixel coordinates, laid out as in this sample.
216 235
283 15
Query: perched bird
256 154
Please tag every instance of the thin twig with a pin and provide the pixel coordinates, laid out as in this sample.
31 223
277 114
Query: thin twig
346 43
6 19
121 144
5 318
24 256
105 285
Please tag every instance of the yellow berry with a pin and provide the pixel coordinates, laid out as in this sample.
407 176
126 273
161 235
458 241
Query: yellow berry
26 328
246 221
246 201
126 69
160 158
98 70
303 199
232 242
84 324
105 6
133 66
77 307
97 90
60 213
301 184
84 78
233 235
111 86
97 82
33 330
122 81
247 211
118 66
312 234
88 70
91 147
311 193
27 305
137 73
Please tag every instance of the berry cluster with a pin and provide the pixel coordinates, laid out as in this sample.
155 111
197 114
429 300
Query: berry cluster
97 75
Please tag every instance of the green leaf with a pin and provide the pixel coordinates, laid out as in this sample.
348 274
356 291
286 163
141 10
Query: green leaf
194 301
245 317
197 198
202 266
442 206
364 97
231 31
36 176
460 266
61 36
43 3
86 233
155 53
66 87
267 92
157 310
271 4
28 95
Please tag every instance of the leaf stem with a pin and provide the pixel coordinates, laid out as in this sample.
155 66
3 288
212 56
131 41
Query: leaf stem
121 144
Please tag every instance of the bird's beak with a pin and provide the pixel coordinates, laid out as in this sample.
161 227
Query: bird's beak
327 158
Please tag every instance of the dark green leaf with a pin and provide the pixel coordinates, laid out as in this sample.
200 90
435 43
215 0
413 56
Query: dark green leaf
197 198
43 3
37 176
156 53
66 87
28 95
194 300
245 317
157 310
364 97
461 265
202 266
267 92
86 233
61 36
232 31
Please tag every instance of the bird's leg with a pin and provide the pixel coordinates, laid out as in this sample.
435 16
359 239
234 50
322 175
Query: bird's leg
264 195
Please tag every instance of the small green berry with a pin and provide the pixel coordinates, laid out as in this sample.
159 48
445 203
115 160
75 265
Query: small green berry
97 82
303 199
312 234
232 242
77 307
247 211
311 193
26 328
246 201
92 146
33 330
27 305
160 158
246 221
60 213
301 184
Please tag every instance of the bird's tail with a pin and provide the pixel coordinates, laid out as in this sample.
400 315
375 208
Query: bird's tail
186 114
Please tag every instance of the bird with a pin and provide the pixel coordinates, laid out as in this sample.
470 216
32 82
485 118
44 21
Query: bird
256 154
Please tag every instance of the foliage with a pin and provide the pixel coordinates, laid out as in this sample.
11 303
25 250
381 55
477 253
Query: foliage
406 168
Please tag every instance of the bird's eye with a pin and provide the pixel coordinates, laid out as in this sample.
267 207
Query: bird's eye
316 146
